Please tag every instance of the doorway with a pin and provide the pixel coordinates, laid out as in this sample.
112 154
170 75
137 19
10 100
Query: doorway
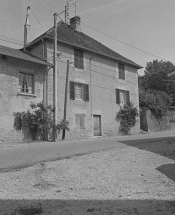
97 125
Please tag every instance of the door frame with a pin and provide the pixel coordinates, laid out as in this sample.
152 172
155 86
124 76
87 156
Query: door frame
100 117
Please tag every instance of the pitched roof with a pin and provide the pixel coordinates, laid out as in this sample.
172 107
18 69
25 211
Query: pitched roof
16 53
68 35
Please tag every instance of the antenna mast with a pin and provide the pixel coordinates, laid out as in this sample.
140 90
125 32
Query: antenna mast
75 7
67 12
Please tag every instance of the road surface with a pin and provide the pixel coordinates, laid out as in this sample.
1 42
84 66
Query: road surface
22 155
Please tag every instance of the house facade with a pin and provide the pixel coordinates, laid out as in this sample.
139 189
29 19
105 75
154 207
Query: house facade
100 80
22 80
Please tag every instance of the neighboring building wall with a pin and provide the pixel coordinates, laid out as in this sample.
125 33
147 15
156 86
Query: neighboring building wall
101 74
38 50
10 100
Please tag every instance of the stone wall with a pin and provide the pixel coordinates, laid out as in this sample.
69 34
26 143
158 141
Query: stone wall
167 122
10 99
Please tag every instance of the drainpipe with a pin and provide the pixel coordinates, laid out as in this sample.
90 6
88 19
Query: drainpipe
90 59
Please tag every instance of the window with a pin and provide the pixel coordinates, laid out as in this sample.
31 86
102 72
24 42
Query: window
26 83
121 68
122 97
4 57
79 91
80 121
78 59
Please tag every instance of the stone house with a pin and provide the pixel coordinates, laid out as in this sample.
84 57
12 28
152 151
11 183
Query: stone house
99 80
22 80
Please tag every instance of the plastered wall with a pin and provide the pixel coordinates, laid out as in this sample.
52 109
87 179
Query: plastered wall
10 100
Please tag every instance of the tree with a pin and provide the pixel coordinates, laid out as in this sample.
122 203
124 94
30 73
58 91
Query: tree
157 102
156 78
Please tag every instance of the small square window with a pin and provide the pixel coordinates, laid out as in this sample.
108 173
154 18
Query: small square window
26 83
122 97
79 91
4 57
80 121
121 68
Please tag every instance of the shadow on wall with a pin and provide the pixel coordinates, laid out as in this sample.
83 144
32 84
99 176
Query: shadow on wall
82 207
164 146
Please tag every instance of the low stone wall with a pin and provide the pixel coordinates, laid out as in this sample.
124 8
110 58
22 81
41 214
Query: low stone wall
167 122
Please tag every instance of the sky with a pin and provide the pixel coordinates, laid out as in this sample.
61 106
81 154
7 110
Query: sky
140 30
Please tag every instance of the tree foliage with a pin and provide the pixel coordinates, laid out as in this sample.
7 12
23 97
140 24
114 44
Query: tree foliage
156 89
39 121
156 77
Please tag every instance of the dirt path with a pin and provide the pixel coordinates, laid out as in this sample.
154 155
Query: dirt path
125 181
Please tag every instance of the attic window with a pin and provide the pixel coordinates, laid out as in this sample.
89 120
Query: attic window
4 57
78 59
121 71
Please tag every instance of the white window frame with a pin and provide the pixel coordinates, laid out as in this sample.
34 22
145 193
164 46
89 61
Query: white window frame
79 95
26 85
124 93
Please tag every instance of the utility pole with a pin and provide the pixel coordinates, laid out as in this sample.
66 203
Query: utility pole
55 74
65 99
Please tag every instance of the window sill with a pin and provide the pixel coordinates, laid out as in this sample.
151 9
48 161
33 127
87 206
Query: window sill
26 94
79 69
79 99
121 79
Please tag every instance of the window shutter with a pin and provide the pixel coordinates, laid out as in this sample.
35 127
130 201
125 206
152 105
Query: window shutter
72 90
117 70
75 58
86 92
121 71
127 97
78 59
117 96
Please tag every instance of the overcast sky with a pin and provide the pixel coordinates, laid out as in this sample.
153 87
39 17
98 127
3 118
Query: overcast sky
141 30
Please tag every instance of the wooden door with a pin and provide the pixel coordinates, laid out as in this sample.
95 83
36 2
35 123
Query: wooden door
97 125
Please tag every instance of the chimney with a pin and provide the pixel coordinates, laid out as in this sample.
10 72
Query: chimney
27 29
75 23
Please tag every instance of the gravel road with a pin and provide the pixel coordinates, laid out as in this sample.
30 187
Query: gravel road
124 181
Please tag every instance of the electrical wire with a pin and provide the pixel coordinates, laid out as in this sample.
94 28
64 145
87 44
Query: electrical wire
125 43
125 34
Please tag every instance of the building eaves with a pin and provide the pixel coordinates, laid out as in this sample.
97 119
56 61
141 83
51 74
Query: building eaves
16 53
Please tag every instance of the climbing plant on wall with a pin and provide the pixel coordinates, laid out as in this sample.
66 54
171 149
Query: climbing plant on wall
127 115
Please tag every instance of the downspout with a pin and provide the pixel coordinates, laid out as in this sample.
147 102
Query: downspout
91 92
